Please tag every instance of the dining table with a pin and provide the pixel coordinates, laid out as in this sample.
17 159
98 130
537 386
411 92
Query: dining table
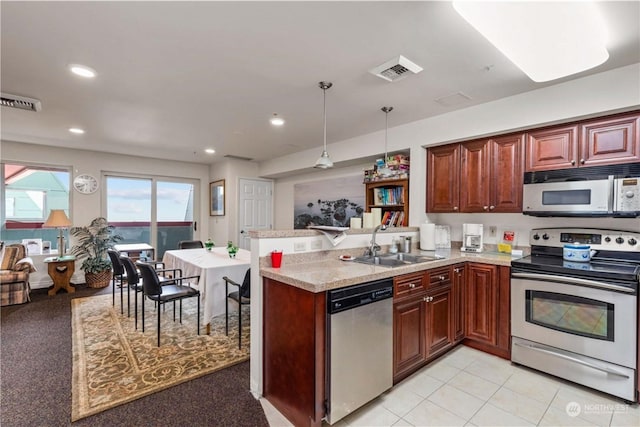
211 265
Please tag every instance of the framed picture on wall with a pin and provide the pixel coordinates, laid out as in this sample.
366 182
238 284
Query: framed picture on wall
216 198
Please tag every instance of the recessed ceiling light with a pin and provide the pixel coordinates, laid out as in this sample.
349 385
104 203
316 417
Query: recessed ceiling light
276 121
77 131
82 70
209 151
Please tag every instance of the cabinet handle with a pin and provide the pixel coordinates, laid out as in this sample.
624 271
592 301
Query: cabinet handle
455 208
412 285
491 208
485 208
573 162
441 278
457 270
582 161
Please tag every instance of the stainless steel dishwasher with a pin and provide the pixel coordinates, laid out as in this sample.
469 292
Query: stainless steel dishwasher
360 346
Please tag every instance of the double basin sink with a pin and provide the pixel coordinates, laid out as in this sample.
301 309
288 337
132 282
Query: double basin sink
396 260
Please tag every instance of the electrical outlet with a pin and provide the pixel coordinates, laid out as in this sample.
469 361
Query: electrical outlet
493 231
299 246
316 244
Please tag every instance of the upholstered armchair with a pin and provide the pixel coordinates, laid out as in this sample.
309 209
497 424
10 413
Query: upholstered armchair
14 275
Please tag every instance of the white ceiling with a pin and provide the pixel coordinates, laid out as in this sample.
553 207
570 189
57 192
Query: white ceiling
177 77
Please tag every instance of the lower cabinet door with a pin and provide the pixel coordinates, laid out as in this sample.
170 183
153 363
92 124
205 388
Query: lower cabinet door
439 328
409 339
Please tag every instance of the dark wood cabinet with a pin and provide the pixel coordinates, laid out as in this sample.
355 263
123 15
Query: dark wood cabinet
553 148
294 351
457 293
487 301
438 314
409 336
610 141
390 196
603 141
443 178
489 178
423 318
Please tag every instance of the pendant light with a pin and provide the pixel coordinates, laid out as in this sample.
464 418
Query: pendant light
385 171
324 162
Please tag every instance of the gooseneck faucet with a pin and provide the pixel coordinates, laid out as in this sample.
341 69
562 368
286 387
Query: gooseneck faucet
374 248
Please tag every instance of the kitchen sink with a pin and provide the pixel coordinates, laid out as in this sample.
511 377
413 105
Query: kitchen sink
396 260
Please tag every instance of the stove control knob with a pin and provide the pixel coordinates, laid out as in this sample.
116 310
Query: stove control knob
629 194
619 240
632 241
607 239
536 236
545 236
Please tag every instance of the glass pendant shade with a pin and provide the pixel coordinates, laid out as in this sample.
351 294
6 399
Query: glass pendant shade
324 162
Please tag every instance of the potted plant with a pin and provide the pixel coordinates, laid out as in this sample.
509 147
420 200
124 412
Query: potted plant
91 247
232 249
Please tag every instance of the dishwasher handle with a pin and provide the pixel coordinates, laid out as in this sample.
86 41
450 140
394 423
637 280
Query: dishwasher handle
358 295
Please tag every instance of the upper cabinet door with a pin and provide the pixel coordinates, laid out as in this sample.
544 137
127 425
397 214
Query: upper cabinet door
475 176
507 160
554 148
443 182
610 141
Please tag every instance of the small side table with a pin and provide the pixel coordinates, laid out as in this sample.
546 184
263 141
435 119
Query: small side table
60 270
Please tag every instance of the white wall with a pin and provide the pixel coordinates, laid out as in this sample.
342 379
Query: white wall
609 92
224 228
84 208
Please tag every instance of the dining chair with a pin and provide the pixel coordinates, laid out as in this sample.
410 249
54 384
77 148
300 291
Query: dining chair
164 293
134 281
190 244
119 276
242 297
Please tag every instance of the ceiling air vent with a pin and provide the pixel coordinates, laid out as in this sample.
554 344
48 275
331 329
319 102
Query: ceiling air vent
396 69
232 156
20 102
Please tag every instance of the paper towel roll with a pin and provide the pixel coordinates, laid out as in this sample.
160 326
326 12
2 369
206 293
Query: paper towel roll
428 237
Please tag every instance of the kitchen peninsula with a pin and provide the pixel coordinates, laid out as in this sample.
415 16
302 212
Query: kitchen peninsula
462 296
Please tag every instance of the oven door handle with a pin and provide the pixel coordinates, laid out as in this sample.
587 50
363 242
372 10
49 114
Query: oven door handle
572 359
574 281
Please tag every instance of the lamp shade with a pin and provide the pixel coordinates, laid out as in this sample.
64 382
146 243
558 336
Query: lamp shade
57 219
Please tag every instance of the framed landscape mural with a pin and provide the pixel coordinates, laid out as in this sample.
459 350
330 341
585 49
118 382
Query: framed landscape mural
328 202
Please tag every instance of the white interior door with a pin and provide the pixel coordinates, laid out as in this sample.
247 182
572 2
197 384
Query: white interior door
256 200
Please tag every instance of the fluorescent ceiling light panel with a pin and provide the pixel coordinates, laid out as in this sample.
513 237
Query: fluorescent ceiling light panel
547 40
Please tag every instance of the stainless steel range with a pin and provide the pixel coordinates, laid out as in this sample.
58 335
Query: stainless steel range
578 320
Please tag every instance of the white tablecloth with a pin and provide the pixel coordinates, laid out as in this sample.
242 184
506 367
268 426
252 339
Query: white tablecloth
212 266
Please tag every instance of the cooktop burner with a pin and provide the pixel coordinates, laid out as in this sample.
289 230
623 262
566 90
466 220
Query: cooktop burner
616 254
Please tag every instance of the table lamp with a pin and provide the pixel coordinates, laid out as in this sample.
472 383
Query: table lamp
58 219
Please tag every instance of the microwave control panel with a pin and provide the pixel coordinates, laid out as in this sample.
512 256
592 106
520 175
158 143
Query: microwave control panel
627 194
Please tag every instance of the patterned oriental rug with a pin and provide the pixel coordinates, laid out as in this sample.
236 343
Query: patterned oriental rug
115 364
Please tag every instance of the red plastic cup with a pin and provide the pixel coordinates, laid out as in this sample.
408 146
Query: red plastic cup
276 259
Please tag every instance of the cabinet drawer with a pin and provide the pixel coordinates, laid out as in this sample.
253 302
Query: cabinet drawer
408 284
438 277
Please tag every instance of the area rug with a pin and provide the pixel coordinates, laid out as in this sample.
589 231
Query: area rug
115 364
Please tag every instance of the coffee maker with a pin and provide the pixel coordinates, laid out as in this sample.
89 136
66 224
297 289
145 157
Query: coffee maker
472 237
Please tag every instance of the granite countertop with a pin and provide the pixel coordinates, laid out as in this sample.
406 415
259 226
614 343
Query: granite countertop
332 273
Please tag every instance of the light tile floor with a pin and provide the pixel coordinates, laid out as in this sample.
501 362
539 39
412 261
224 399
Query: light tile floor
467 387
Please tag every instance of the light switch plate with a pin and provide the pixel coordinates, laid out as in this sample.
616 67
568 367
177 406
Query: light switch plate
299 246
316 244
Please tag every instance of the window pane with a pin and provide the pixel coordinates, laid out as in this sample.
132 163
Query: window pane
129 208
30 192
175 214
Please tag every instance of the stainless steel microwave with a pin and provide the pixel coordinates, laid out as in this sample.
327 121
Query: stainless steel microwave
612 191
